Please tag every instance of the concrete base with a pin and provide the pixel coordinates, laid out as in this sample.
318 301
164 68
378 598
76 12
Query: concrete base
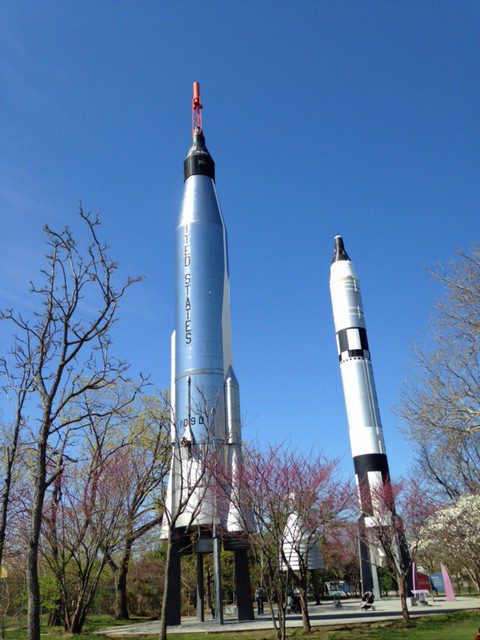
320 615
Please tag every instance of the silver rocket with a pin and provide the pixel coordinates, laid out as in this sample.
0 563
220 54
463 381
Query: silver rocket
205 390
363 415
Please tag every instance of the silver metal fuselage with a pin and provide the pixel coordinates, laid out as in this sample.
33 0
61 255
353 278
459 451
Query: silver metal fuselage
205 392
203 350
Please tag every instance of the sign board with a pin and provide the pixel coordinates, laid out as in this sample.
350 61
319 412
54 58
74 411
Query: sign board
422 581
203 545
437 581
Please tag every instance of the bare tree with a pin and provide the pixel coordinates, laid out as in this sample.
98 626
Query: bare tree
441 404
147 459
66 347
101 444
18 386
83 525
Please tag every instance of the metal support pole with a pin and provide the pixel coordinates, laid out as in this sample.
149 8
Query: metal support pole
200 589
366 577
173 595
242 586
217 572
376 585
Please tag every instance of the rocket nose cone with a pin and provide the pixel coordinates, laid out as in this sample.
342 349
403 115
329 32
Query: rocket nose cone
339 252
231 375
198 143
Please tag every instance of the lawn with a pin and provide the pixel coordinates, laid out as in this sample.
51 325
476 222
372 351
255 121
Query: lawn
93 623
461 625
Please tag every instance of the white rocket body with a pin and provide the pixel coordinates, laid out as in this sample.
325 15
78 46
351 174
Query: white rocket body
363 415
300 545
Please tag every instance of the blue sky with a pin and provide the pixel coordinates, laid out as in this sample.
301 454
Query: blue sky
359 118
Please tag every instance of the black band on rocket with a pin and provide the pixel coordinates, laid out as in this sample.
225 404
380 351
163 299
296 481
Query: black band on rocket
354 353
371 462
376 462
352 343
198 160
199 164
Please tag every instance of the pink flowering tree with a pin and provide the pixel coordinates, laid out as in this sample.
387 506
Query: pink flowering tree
399 512
294 499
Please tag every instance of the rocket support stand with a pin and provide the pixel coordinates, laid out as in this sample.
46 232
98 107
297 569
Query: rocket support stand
242 586
368 568
217 575
173 593
373 568
200 589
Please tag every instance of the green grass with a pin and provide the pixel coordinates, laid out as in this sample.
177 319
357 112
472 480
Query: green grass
97 622
452 626
14 631
461 625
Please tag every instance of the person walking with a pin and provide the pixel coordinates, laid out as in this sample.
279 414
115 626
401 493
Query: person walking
259 597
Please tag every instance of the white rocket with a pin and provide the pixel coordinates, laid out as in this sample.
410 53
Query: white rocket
300 545
364 425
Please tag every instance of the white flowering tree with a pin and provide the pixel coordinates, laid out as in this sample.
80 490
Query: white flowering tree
452 536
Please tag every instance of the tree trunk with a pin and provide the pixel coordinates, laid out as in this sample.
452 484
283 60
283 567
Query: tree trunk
121 569
7 483
3 514
11 456
84 601
477 585
55 618
304 606
78 619
474 576
121 598
34 604
272 611
75 626
316 586
282 622
163 617
403 597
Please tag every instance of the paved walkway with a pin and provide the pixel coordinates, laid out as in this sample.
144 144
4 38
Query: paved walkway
324 614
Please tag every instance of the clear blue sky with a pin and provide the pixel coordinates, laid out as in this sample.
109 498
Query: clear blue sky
359 118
